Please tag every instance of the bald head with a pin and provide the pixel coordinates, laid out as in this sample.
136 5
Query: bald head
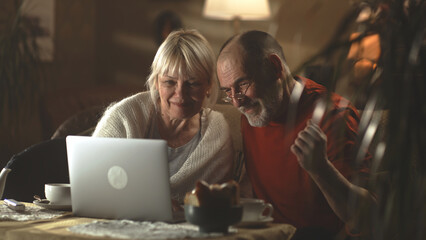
253 45
231 56
251 51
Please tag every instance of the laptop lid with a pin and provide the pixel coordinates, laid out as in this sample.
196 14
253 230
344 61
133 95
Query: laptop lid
119 178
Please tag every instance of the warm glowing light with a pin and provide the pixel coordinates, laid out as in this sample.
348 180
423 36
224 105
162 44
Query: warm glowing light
241 9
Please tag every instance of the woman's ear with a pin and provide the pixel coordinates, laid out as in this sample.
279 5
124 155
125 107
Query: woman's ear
276 63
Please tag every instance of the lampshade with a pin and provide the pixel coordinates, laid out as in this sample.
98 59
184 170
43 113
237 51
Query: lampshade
241 9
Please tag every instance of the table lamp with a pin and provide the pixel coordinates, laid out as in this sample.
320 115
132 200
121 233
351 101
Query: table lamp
237 10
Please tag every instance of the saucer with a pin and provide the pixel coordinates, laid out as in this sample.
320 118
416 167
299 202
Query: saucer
52 206
213 219
259 223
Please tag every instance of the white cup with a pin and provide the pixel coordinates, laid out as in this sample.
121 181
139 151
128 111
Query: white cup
255 209
58 193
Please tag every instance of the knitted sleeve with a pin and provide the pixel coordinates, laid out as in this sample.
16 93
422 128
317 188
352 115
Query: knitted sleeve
128 118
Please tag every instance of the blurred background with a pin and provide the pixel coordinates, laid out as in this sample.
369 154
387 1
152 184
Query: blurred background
97 51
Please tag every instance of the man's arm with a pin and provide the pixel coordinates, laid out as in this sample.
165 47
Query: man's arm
310 148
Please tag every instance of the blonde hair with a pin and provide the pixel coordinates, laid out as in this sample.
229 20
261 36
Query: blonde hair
187 53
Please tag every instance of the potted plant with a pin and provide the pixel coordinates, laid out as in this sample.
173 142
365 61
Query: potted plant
21 77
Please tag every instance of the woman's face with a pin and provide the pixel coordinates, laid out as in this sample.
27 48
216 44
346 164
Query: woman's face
181 97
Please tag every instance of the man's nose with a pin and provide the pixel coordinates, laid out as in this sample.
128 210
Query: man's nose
236 102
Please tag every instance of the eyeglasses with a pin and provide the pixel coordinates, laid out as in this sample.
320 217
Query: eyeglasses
242 89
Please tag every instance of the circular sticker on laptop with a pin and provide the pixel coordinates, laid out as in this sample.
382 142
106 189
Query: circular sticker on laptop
117 177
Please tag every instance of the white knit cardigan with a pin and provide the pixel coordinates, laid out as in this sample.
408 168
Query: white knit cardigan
211 160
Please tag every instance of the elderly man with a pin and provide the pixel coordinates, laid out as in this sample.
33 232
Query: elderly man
299 161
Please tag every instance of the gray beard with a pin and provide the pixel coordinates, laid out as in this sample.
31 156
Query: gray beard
256 119
267 108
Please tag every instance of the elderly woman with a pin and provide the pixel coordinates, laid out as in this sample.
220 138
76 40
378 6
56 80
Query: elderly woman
181 86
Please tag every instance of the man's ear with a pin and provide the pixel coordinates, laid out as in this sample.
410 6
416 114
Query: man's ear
276 63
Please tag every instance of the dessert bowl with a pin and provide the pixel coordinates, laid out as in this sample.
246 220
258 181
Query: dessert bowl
213 219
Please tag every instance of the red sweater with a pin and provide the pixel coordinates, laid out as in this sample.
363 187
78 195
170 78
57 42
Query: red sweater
275 173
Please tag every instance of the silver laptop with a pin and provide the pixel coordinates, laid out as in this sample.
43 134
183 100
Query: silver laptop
119 178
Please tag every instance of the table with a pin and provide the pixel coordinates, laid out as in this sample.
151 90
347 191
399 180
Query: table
57 228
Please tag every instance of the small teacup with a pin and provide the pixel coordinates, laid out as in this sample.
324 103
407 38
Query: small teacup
58 193
255 209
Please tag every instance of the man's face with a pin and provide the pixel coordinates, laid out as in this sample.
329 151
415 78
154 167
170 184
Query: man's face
260 102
